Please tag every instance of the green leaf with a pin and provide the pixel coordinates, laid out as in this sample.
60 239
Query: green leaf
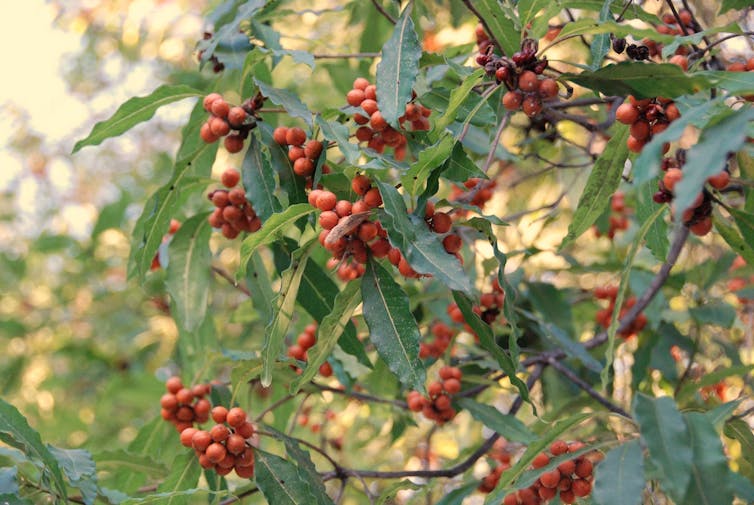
292 184
397 71
16 432
457 97
8 481
712 378
307 471
126 461
728 5
154 221
135 111
487 340
522 465
459 166
259 283
271 230
572 348
389 493
739 430
665 434
339 133
619 478
457 496
329 331
167 497
429 159
286 303
640 80
657 234
184 475
708 156
189 271
745 223
716 313
742 487
735 83
501 25
710 475
280 481
528 10
733 237
421 248
12 499
287 100
392 327
259 180
78 467
603 182
505 424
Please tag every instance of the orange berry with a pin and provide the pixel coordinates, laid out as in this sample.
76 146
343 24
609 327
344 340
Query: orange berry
328 220
245 429
626 113
512 100
355 97
558 447
548 89
325 369
313 149
452 385
452 243
303 167
584 468
201 440
719 181
235 417
361 184
701 228
295 136
219 432
219 414
220 108
326 200
581 487
441 222
360 83
235 444
528 81
671 178
369 106
233 144
216 452
236 116
373 198
531 105
169 402
540 460
635 145
209 100
550 479
280 134
640 129
371 92
378 122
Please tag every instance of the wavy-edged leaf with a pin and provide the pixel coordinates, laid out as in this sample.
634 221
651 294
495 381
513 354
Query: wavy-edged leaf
421 248
307 471
271 231
708 156
505 424
329 331
287 100
78 466
657 235
183 476
8 481
459 166
397 71
457 496
487 339
16 432
710 474
392 327
502 26
512 474
603 181
164 498
666 435
164 203
121 460
229 30
457 97
735 83
745 223
135 111
619 478
387 495
430 159
259 180
292 184
278 326
734 239
339 133
280 481
189 271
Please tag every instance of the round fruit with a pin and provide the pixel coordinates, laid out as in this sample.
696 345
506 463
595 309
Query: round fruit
512 100
626 113
528 81
355 97
216 452
295 136
219 414
280 134
236 116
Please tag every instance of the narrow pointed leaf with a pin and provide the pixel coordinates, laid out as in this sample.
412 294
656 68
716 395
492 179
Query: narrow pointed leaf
619 478
339 133
259 180
135 111
665 434
505 424
184 475
603 181
79 469
430 159
271 230
710 475
276 330
457 98
287 100
280 480
657 235
503 28
189 271
392 327
397 71
329 331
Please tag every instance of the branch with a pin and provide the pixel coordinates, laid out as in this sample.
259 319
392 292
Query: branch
360 396
496 142
225 275
581 383
382 11
481 19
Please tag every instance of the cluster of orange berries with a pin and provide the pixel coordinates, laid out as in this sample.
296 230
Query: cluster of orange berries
618 219
482 195
225 446
174 226
499 452
225 119
233 212
184 406
646 117
358 233
672 27
437 405
489 309
604 316
302 153
441 223
442 334
571 479
305 340
739 283
379 133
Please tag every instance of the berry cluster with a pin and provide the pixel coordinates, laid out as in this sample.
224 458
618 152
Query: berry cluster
174 226
217 65
304 342
224 119
500 453
184 406
233 212
302 153
225 446
441 223
571 478
646 117
379 133
437 406
618 219
483 191
442 334
671 26
489 309
604 316
355 232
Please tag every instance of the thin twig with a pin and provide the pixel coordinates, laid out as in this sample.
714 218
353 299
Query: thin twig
581 383
496 142
272 407
382 11
225 275
323 56
360 396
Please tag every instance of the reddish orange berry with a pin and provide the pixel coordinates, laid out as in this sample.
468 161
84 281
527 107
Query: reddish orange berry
295 136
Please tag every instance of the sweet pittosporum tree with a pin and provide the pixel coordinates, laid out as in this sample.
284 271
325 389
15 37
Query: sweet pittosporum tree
359 242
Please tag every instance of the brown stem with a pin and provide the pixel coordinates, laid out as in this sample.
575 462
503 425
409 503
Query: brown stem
225 275
382 11
581 383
